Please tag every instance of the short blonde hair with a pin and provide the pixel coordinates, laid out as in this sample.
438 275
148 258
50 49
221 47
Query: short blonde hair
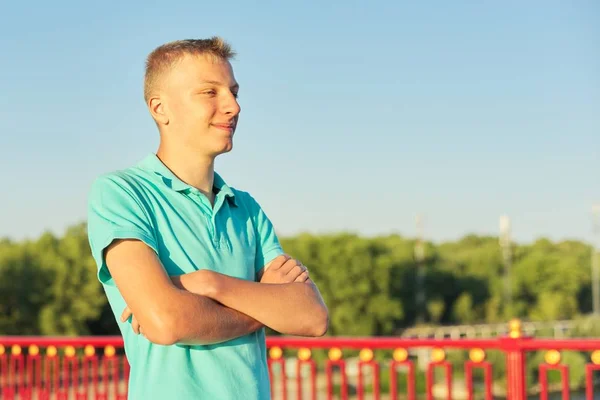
163 57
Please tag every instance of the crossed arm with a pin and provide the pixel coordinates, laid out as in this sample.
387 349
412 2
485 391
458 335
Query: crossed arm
206 307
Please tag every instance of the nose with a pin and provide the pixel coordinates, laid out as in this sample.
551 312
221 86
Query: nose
230 105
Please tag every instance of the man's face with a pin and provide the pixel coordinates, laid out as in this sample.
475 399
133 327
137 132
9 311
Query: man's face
199 96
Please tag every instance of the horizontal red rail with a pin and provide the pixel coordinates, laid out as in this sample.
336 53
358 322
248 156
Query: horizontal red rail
560 344
527 344
59 341
378 343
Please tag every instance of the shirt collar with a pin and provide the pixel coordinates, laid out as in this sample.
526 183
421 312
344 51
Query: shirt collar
154 165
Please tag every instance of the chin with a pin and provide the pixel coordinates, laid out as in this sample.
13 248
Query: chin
223 149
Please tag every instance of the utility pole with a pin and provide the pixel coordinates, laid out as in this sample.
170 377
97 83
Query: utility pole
420 258
595 261
505 244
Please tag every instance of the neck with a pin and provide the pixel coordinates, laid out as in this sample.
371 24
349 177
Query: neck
192 168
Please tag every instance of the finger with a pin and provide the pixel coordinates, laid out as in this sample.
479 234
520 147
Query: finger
141 331
135 325
126 314
279 261
303 277
295 272
289 265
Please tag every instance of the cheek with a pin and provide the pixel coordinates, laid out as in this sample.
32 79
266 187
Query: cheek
196 113
178 112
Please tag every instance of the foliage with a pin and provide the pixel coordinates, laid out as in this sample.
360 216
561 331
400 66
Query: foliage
49 285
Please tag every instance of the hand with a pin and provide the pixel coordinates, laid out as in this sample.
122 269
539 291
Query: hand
202 282
285 269
135 325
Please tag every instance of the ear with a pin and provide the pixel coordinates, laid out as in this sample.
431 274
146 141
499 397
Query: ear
158 110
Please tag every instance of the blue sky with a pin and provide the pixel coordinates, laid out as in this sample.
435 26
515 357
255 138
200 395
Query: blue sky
356 116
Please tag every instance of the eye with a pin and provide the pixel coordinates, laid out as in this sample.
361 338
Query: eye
210 92
235 94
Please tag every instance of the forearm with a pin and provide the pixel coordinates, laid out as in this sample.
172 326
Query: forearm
202 320
291 308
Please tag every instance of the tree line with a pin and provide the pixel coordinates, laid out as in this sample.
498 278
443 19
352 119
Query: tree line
370 284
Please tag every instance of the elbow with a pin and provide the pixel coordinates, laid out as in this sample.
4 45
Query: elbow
162 331
320 323
163 338
323 325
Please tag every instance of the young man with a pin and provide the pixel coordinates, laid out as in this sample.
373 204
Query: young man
187 261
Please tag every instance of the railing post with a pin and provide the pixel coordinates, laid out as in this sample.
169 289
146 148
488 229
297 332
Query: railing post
515 362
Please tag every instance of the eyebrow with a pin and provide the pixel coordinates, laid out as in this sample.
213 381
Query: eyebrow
236 86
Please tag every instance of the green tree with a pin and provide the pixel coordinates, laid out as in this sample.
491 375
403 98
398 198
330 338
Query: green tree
353 276
22 289
74 292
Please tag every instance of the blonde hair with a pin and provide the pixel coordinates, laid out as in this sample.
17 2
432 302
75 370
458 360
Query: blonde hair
163 57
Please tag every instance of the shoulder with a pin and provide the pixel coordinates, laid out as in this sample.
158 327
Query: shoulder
131 180
126 179
116 207
122 187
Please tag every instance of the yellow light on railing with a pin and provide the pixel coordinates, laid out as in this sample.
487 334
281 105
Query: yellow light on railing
400 355
365 355
34 350
16 350
51 351
514 328
275 353
335 354
2 350
109 351
552 357
304 354
596 357
438 355
70 351
477 355
89 350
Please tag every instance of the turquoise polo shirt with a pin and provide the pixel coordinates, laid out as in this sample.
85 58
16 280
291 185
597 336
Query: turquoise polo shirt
235 237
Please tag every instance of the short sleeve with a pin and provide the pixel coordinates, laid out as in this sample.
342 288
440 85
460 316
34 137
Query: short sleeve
267 242
115 212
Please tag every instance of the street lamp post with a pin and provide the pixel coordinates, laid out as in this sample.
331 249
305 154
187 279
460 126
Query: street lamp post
419 258
505 244
595 261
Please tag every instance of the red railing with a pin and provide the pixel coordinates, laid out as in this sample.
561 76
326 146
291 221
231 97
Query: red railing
302 368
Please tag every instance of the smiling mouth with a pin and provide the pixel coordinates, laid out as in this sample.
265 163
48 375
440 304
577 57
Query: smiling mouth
225 127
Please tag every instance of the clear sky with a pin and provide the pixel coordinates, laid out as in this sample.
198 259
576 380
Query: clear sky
356 116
